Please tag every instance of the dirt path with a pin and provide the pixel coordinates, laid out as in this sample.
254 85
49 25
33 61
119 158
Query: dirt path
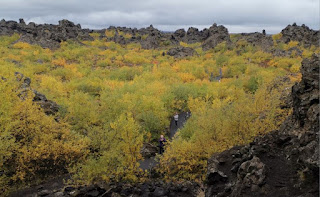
149 163
183 117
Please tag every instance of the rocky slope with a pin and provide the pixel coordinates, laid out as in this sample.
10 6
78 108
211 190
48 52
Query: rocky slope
284 162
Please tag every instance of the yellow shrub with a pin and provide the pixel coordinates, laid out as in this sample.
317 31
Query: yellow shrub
277 37
41 146
134 58
186 77
219 124
120 154
59 62
21 45
292 44
295 68
110 33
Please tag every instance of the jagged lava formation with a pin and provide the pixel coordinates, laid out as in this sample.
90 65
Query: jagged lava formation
50 36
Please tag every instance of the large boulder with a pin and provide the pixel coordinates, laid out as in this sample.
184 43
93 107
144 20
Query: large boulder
284 162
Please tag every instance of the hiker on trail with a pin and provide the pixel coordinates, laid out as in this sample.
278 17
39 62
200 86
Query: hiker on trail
162 140
176 118
187 116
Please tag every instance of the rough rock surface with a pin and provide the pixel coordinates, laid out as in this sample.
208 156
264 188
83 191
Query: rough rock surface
302 33
288 53
47 36
148 150
50 36
284 162
49 107
257 39
153 39
215 35
180 52
147 189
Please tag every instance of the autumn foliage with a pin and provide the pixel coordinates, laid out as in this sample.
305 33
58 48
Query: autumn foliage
113 97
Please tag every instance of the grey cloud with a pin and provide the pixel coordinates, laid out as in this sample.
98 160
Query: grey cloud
237 15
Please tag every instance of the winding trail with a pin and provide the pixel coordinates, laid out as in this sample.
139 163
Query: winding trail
149 163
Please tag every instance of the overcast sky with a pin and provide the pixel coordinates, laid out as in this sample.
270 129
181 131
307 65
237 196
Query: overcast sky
168 15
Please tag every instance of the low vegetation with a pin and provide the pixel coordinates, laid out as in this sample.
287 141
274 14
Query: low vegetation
113 98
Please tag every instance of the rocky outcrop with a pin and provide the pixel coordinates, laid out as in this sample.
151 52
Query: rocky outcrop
209 37
50 36
302 34
284 162
155 38
151 42
47 36
49 107
215 35
194 35
180 52
257 39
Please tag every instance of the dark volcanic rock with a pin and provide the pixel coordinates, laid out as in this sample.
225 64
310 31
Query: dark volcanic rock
47 36
50 36
215 35
284 162
258 39
148 150
306 95
155 188
292 51
49 107
151 42
303 34
180 51
179 34
194 35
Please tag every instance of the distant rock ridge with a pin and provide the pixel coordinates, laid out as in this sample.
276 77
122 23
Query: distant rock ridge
50 36
47 36
284 162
